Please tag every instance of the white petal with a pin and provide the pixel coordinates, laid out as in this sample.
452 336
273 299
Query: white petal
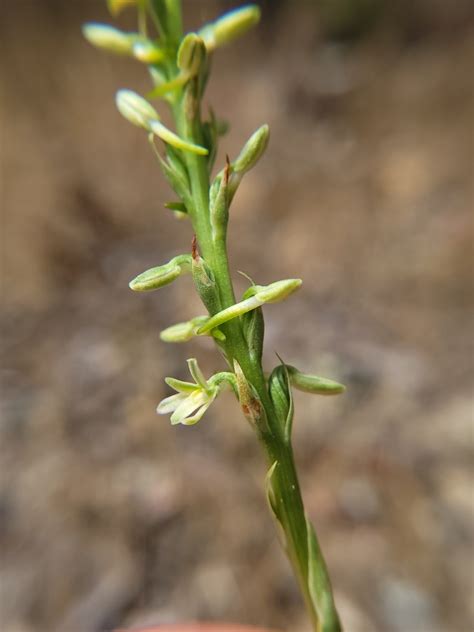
190 421
169 404
189 406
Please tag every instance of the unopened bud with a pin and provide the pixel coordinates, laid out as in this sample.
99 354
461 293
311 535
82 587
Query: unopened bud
174 171
147 52
252 150
313 383
191 54
182 332
160 276
257 296
230 26
109 38
135 109
277 291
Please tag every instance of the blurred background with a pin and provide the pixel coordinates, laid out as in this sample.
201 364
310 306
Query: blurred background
110 516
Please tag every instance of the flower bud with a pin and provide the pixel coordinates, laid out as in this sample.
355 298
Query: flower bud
147 52
109 38
160 276
277 291
257 296
313 383
252 150
191 55
135 109
230 26
182 332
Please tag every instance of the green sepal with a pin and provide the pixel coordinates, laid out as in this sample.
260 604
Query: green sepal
197 374
179 385
279 389
313 383
319 585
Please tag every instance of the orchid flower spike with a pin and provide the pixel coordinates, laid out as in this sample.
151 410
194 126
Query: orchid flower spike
193 398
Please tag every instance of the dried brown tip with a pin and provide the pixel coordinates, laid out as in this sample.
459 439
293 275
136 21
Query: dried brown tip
194 248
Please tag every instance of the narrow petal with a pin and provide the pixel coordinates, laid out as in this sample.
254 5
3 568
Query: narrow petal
189 406
173 139
169 404
190 421
180 386
197 374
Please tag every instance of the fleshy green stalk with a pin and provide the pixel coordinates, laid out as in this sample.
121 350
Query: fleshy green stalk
179 73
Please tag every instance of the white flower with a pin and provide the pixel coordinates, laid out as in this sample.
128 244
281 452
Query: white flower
192 399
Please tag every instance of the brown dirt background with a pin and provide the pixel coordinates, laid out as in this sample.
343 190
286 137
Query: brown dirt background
109 516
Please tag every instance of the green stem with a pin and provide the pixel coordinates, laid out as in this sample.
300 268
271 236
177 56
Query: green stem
291 514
